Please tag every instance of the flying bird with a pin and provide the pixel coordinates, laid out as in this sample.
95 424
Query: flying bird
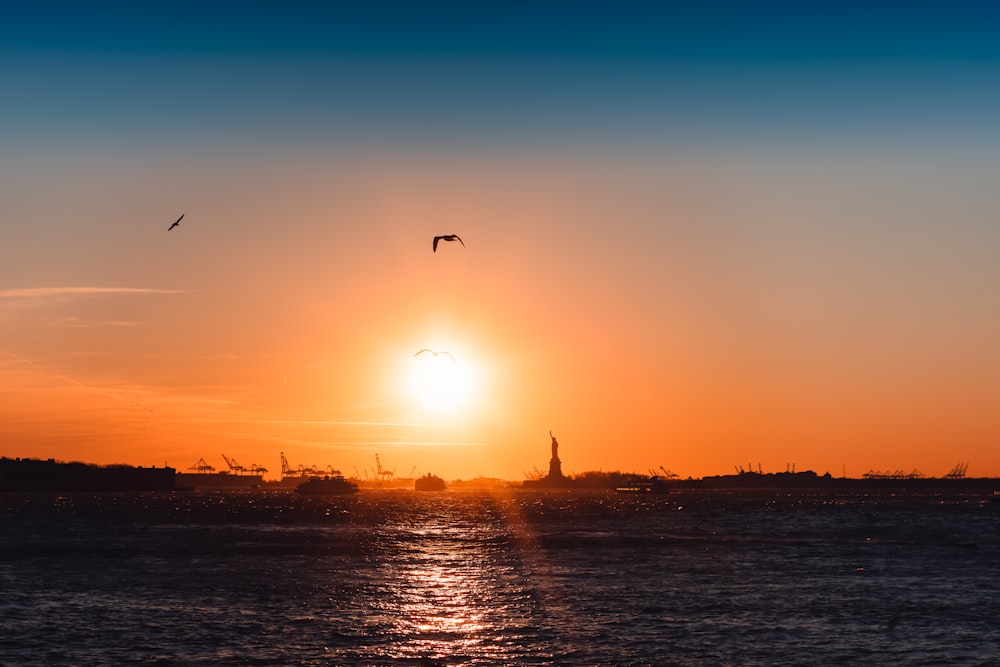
176 222
436 354
447 237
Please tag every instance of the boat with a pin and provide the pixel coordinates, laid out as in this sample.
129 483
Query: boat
218 481
429 482
328 484
652 484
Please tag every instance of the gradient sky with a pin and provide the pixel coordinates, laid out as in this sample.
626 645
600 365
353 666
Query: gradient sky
698 235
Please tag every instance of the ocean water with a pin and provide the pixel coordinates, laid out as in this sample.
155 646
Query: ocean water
498 578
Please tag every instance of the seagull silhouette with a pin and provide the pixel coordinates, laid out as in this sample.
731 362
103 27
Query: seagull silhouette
447 237
176 222
436 354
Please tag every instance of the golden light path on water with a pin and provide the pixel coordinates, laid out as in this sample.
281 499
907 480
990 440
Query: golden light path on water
442 603
463 585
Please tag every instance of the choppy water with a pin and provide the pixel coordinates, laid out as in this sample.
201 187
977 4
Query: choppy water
497 578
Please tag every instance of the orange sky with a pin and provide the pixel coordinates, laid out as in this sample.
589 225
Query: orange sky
697 311
696 237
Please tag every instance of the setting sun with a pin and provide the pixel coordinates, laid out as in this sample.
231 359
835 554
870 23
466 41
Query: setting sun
440 382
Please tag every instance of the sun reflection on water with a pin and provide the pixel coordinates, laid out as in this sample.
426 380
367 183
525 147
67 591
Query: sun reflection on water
441 603
457 578
454 591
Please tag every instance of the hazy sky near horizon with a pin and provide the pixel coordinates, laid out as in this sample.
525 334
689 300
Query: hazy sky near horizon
698 235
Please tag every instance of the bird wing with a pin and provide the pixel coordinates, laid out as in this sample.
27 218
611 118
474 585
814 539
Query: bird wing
424 350
459 239
436 239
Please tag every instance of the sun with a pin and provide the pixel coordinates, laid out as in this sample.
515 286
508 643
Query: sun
440 382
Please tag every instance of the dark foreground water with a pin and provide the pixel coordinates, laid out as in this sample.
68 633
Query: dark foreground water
498 578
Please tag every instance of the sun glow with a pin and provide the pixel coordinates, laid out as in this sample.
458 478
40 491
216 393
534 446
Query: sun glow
440 382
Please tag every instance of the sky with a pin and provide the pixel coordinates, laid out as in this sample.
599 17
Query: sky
700 236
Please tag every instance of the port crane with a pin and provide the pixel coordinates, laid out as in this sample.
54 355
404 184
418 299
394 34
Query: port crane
202 467
382 472
958 472
300 471
234 467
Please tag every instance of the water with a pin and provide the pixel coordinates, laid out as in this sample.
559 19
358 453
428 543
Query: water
498 578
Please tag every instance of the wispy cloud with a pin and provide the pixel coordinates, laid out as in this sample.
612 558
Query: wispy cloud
77 323
109 392
56 292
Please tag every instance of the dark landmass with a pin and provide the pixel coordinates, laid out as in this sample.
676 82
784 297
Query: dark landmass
810 480
27 475
49 475
777 482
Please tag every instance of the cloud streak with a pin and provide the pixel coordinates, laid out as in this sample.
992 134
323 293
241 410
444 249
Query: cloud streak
61 292
77 323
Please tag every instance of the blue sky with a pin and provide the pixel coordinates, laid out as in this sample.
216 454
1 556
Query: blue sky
578 73
727 31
